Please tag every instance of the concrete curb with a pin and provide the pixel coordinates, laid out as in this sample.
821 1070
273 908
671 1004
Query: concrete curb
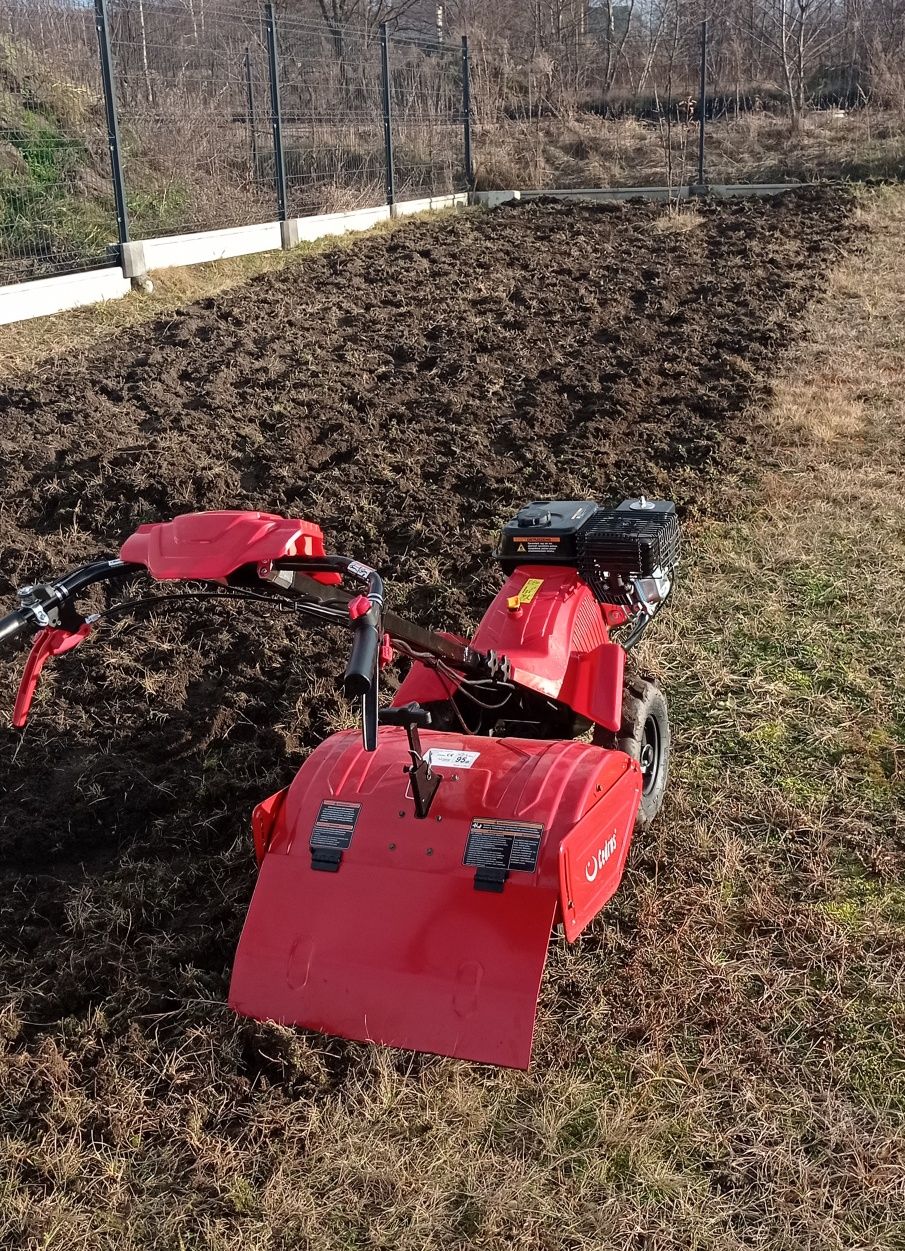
493 199
23 300
44 296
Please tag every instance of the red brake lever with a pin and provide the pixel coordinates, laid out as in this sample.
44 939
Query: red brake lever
48 642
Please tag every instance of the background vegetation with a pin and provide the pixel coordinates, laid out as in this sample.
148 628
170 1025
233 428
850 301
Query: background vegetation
563 93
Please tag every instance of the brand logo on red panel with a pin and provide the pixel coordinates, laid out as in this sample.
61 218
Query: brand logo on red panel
596 862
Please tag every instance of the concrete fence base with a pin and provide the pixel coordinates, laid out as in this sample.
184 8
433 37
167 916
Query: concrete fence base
23 300
50 295
44 296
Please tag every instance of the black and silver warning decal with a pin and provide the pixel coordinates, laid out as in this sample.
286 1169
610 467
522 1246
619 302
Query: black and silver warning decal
500 844
334 825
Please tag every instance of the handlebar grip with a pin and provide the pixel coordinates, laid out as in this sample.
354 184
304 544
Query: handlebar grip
362 666
16 623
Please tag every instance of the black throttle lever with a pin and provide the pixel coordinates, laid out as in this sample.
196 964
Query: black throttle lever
424 780
406 715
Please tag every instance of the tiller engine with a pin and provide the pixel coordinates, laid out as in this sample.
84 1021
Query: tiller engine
410 875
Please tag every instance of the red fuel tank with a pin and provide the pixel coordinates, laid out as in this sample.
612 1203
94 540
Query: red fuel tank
431 934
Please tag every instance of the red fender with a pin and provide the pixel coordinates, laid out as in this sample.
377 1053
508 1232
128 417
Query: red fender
399 943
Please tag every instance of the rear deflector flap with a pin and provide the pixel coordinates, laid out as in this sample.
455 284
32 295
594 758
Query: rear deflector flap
406 958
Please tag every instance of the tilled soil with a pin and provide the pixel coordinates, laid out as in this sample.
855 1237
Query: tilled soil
408 393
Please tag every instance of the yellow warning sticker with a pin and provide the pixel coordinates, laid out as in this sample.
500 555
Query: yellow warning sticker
529 590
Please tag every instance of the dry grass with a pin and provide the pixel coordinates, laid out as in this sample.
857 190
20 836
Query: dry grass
719 1060
680 218
592 151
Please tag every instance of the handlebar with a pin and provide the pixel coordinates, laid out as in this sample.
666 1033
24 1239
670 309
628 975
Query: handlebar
361 678
51 603
362 666
41 604
17 623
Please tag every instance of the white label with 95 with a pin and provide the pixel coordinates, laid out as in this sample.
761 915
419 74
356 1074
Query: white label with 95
444 758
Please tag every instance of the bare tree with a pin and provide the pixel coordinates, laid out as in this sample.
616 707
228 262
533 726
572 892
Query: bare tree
798 32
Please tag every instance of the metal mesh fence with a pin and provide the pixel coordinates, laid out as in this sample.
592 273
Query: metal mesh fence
578 95
332 118
428 119
193 104
192 84
56 202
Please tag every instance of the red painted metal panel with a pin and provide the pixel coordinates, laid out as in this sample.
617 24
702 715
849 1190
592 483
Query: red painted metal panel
592 856
542 634
397 946
557 641
213 545
424 685
263 819
395 957
593 685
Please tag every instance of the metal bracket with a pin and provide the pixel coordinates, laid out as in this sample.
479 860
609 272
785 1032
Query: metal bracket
491 880
423 779
326 859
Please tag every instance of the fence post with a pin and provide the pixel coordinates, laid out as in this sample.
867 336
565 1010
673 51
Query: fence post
702 105
276 115
116 162
466 115
250 105
387 100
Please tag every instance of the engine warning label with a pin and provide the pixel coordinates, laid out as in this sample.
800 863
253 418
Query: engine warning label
533 546
501 844
334 825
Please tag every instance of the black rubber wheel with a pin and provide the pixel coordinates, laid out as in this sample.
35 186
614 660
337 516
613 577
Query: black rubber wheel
644 735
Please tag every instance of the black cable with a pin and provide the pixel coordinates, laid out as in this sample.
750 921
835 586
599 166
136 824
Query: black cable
284 604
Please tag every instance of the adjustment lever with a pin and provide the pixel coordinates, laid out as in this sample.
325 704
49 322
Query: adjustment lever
406 714
424 781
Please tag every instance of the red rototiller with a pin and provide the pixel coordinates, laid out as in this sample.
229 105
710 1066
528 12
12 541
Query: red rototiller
408 883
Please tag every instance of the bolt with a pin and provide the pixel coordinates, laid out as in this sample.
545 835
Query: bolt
392 846
429 852
402 812
439 818
455 777
599 788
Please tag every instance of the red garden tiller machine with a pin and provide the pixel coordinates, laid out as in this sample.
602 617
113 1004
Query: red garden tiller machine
408 883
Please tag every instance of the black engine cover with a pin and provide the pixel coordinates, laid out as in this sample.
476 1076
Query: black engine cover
544 533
